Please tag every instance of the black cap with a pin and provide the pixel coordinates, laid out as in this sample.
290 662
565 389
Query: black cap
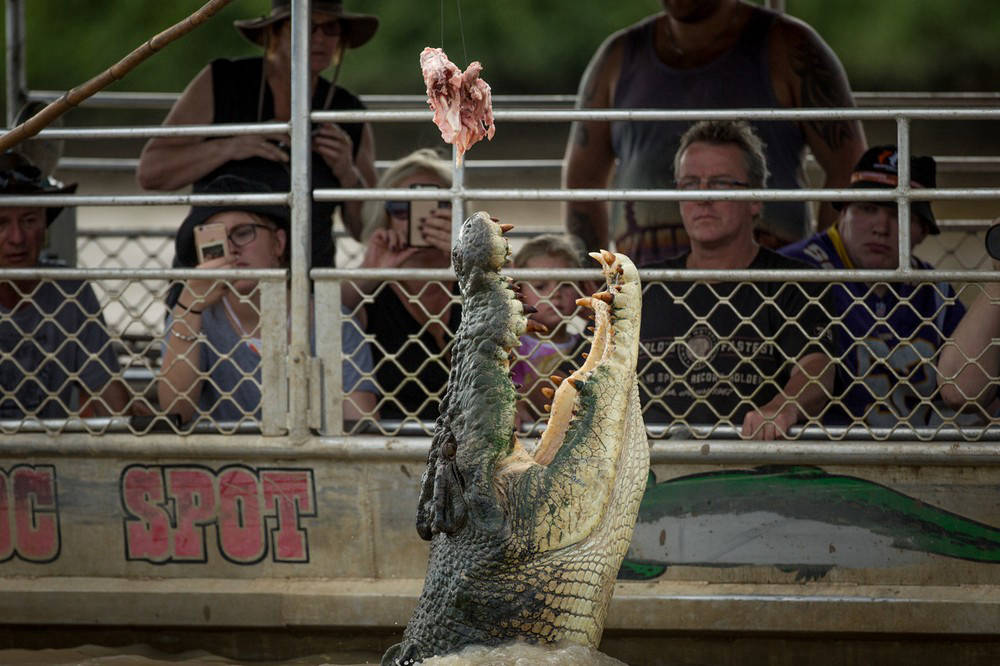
19 176
878 169
186 255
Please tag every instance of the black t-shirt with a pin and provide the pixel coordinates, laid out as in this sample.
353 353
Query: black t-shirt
410 368
710 352
236 88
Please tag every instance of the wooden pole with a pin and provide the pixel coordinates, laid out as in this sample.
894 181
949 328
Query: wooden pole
116 72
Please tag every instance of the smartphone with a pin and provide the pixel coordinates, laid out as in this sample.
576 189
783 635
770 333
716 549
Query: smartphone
211 242
423 208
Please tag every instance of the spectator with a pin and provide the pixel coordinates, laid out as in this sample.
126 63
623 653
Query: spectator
723 54
969 364
412 321
212 344
559 350
258 90
53 338
886 335
749 354
421 168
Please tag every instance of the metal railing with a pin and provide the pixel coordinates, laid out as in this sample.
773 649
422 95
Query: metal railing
303 372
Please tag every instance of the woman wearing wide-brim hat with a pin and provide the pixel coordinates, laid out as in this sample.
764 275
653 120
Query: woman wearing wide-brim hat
258 89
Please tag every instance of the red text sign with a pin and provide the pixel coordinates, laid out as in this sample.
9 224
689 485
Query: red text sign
29 513
173 510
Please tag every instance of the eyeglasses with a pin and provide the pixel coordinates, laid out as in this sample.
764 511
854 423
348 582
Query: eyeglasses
716 183
245 234
329 28
398 209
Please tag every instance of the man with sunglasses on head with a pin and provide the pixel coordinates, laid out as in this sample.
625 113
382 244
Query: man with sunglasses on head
57 356
751 355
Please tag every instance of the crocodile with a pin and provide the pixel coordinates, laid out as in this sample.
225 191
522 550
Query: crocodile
526 544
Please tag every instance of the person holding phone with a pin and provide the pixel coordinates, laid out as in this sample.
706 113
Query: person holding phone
258 89
212 344
410 319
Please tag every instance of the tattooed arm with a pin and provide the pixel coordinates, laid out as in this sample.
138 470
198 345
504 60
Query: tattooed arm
589 157
807 74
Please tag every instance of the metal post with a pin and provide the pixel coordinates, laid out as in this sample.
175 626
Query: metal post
457 195
330 351
301 236
17 86
903 186
274 337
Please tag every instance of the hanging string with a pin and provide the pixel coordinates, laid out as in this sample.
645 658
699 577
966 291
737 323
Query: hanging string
442 25
461 31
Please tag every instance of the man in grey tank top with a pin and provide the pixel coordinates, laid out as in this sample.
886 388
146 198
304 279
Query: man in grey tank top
711 54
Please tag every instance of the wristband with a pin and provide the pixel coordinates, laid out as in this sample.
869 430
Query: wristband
189 310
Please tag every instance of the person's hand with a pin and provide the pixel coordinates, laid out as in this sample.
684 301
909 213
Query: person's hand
770 422
336 148
267 146
436 229
386 249
201 293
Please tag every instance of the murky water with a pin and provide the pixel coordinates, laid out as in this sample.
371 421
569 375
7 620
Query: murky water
142 655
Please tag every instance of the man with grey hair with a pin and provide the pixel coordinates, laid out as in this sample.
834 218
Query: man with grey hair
750 355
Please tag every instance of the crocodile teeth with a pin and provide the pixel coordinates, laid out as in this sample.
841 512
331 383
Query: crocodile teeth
605 296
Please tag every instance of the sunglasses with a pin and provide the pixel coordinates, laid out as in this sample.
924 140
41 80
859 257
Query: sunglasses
329 28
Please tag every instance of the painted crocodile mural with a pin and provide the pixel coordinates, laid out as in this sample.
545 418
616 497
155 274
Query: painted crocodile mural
526 545
813 519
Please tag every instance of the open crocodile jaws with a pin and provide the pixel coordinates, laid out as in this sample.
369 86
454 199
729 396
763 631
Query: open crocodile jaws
527 546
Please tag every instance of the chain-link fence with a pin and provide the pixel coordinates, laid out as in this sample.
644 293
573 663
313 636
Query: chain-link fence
711 352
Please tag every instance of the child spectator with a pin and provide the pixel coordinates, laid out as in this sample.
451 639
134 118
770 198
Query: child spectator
558 351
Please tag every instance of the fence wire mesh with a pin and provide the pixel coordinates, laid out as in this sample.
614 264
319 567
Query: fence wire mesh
710 353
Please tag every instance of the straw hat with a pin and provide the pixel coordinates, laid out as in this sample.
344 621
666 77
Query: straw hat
359 28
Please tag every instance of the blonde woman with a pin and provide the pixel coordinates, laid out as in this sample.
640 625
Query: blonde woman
411 321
